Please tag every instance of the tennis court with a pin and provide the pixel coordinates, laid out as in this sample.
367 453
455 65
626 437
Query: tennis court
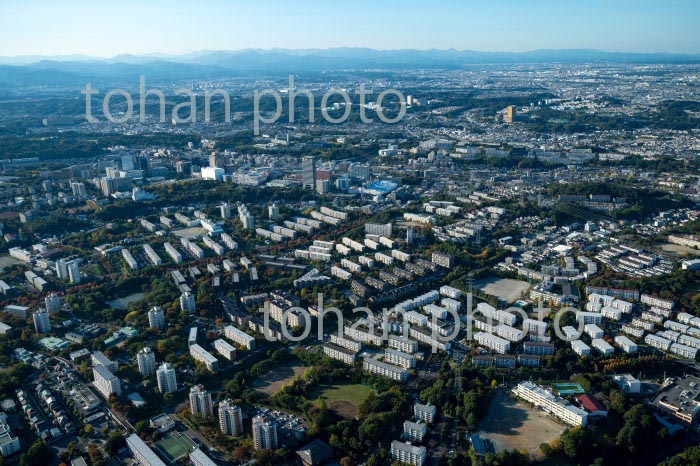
175 447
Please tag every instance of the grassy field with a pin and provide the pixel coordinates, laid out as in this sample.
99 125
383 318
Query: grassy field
342 398
274 380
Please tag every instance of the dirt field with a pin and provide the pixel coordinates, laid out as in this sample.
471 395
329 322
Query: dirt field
514 425
677 249
505 289
271 382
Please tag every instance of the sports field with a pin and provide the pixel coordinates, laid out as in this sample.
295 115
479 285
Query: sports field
342 398
175 447
280 376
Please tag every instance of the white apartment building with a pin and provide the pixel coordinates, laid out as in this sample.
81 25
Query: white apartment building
41 321
627 345
424 412
200 402
230 418
402 343
225 349
407 453
239 337
105 382
601 345
344 355
375 366
593 331
156 318
414 431
498 344
399 358
264 434
166 378
146 362
201 355
580 348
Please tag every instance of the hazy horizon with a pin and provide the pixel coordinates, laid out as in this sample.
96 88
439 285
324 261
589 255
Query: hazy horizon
178 27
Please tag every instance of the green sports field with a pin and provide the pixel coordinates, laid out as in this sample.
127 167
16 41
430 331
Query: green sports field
341 398
175 447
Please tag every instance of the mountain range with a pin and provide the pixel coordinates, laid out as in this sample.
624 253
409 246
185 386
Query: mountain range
68 70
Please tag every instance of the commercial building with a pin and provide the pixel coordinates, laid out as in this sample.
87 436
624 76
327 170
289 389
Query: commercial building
680 399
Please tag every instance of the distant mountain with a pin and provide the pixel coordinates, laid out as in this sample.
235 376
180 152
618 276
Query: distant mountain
79 69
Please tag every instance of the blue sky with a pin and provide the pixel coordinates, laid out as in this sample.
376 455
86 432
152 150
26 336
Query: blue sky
107 28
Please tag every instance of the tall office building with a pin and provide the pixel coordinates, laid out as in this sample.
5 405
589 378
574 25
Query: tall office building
146 360
41 321
308 168
167 381
230 418
156 318
187 302
200 402
264 433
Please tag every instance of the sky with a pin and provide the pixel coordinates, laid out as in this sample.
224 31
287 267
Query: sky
107 28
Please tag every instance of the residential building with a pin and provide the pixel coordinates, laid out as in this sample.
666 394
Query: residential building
167 380
41 321
146 361
200 402
230 418
407 453
424 412
264 433
156 318
105 382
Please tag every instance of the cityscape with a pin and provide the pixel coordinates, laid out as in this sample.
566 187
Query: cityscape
308 247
